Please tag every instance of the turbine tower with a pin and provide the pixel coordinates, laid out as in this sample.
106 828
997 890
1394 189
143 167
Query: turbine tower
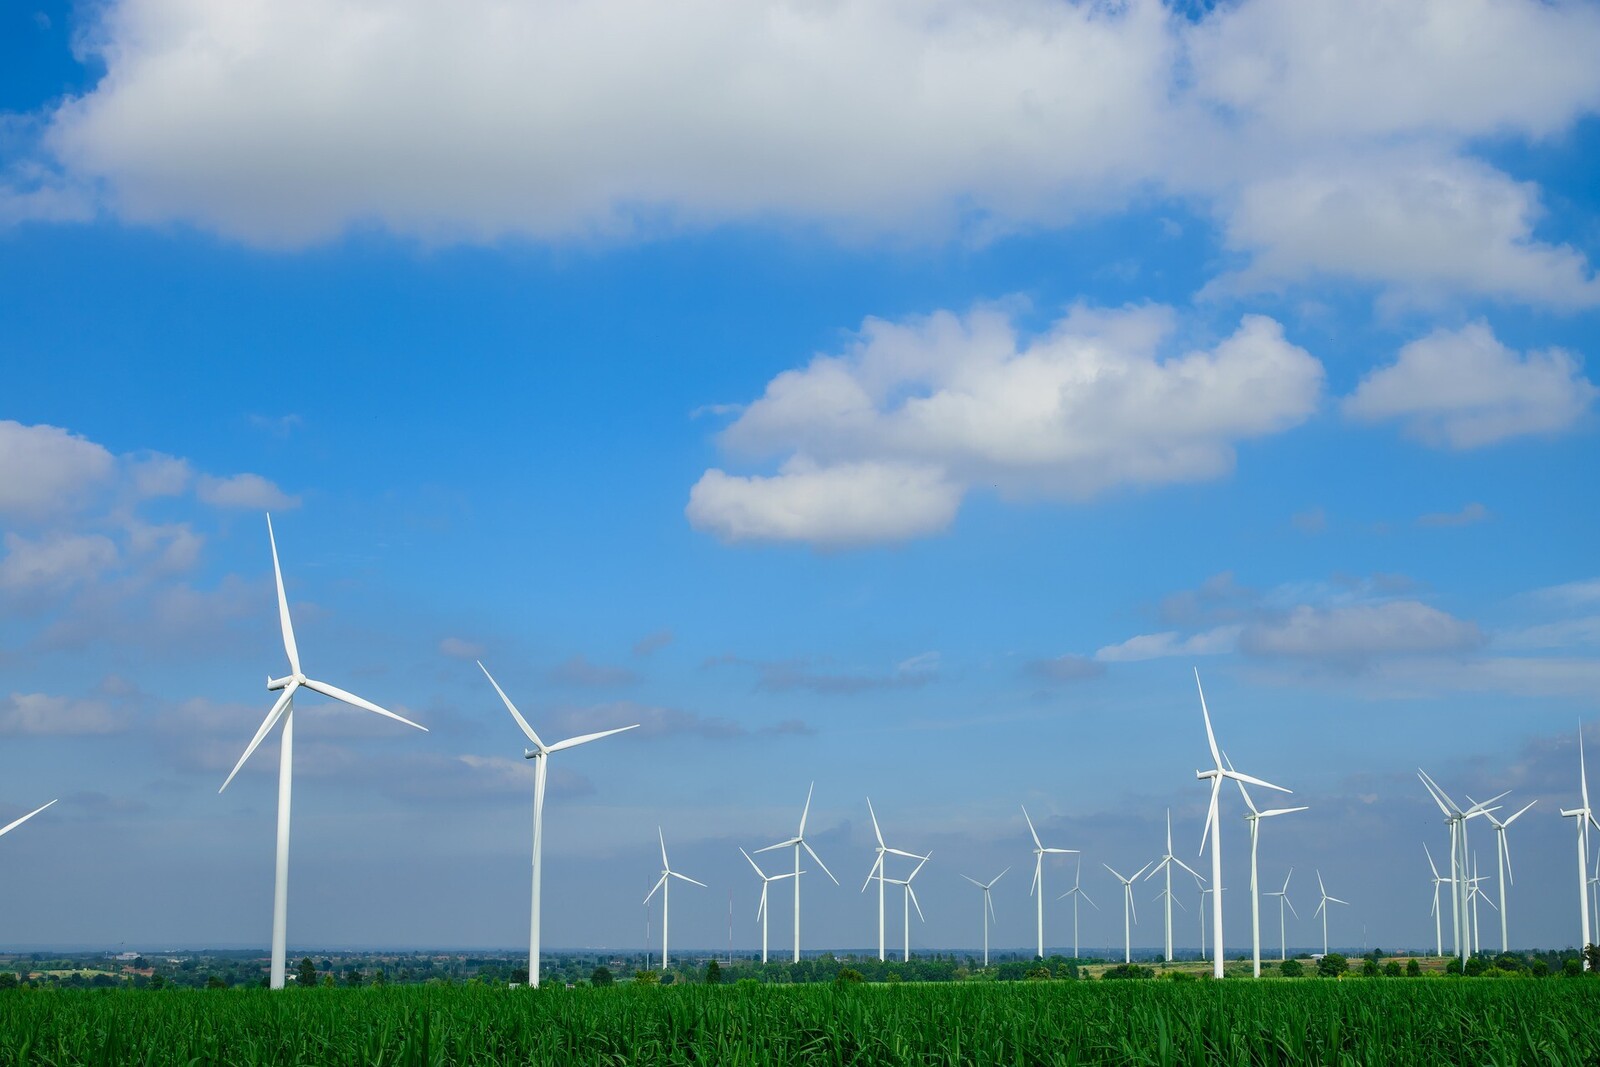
1438 914
1128 909
1323 908
1166 865
1585 816
988 912
1503 865
1075 892
1254 817
1039 853
797 842
283 711
878 871
540 753
761 910
1283 930
664 884
1214 827
1457 818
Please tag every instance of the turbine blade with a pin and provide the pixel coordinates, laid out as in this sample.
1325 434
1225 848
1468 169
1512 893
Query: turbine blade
1113 870
686 878
1518 815
584 739
1282 811
266 727
1336 900
975 882
912 893
662 837
1236 776
1289 902
1211 738
1061 851
659 883
877 865
1085 896
1140 871
13 825
917 868
1430 860
996 878
1446 805
806 810
359 702
807 846
1179 903
283 605
759 872
1188 868
1039 845
761 909
1211 813
875 830
512 708
1320 886
989 900
1038 866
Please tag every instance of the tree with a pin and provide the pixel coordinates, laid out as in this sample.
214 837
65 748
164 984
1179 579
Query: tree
1369 968
1413 969
306 973
601 976
1333 965
646 978
1591 953
1291 968
848 976
1392 969
713 973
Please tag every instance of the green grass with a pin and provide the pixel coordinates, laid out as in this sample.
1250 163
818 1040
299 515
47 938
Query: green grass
1431 1021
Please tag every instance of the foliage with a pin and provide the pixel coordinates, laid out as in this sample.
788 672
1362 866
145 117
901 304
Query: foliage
1591 953
713 973
646 977
1369 968
1333 965
306 973
1291 968
1413 969
1128 970
848 976
601 976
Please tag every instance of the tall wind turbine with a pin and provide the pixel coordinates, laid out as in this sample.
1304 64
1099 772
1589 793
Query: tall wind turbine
988 911
761 910
1457 818
1075 892
1039 853
878 871
910 902
1254 817
1438 913
540 753
1323 908
1503 864
1128 909
1166 865
797 842
1585 816
1214 827
1283 930
664 884
283 711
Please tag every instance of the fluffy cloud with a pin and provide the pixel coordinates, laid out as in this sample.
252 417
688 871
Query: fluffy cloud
459 648
41 714
1353 633
1215 642
883 441
1065 668
580 670
54 562
244 491
1464 389
1470 515
45 469
479 120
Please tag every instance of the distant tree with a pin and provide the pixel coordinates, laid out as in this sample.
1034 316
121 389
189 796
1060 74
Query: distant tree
1369 968
848 976
1333 965
1038 974
1454 966
647 977
327 980
8 980
1413 969
1539 969
713 973
215 982
1591 953
1392 969
1476 965
1291 968
306 973
1127 970
601 976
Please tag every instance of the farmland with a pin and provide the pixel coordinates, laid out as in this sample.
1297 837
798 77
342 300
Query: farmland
1352 1020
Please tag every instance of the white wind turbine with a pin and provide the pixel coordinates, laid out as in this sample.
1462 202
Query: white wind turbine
1128 909
540 753
1075 892
988 912
1254 817
1457 818
1503 863
1438 913
1585 816
878 871
1323 908
761 910
283 711
1166 865
1594 891
1474 895
1214 827
1283 930
797 842
664 884
910 902
1039 853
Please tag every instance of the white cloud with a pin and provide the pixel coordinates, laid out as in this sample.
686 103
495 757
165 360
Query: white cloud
244 491
54 561
1464 389
1353 633
1470 515
41 714
883 441
1215 642
459 648
45 469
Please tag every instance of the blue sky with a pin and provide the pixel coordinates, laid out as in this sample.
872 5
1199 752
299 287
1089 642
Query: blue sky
906 399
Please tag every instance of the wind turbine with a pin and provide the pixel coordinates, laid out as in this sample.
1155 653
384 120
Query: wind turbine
761 910
1585 817
910 902
1166 865
1128 909
1214 826
1438 914
1323 908
878 872
283 711
1503 864
664 884
1254 817
988 912
797 842
1039 853
1457 818
1474 894
1075 892
1283 899
540 753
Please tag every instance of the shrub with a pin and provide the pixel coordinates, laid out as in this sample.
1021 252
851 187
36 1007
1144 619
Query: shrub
848 976
1413 969
646 978
1540 969
1392 969
601 976
1333 965
1291 968
1128 970
1476 965
713 973
1369 968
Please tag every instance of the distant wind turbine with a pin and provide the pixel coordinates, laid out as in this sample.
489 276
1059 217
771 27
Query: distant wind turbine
1130 913
1075 892
878 871
1166 865
1503 865
1039 853
1585 816
909 902
1254 817
988 912
1438 913
283 711
1283 900
1460 885
761 910
664 884
797 842
1323 908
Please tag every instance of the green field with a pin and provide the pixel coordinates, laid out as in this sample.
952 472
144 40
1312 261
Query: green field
1434 1021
